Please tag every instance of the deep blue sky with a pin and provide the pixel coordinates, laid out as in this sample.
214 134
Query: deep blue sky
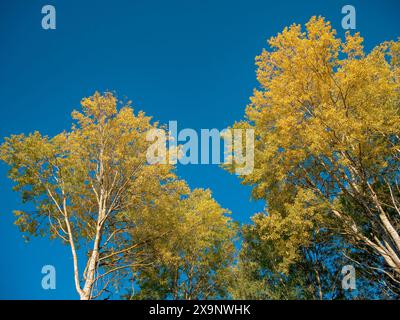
189 60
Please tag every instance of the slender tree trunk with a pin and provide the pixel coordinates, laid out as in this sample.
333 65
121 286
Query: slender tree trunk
92 268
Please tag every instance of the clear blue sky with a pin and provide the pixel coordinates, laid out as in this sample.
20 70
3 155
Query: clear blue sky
189 60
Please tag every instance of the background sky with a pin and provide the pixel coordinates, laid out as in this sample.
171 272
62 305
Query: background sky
189 60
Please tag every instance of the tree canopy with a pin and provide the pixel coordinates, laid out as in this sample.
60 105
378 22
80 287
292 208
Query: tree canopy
326 121
326 117
93 188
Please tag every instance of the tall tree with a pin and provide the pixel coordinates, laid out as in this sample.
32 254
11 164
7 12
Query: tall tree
327 126
86 183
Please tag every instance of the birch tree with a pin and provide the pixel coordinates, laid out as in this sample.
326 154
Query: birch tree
86 182
326 117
